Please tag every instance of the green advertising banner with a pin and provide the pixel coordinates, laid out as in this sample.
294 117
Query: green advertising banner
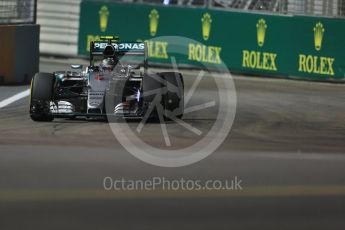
305 47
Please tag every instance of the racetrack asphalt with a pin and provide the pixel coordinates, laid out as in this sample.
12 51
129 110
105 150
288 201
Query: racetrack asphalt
286 146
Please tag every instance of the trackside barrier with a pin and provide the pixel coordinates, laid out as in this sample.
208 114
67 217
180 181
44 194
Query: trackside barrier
291 46
19 59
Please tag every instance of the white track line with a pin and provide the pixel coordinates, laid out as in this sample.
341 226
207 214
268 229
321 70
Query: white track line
14 98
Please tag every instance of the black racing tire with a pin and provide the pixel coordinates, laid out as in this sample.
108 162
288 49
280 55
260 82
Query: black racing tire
152 82
42 86
152 87
173 99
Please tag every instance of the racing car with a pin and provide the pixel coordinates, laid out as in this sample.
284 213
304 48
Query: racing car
116 83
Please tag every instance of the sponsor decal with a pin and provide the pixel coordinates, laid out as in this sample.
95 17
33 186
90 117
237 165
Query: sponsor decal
318 35
153 17
260 60
202 53
103 18
157 49
206 22
127 46
261 27
315 64
131 46
89 39
122 46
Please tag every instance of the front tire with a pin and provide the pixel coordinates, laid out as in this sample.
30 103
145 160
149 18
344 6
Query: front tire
152 90
173 99
42 86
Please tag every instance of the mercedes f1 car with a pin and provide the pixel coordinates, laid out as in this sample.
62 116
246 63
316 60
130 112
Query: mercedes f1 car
115 84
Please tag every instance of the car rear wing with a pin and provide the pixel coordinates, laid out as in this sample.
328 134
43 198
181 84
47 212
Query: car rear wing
123 48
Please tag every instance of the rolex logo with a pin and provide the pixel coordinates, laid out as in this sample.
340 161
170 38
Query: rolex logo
103 18
318 35
261 27
154 17
206 26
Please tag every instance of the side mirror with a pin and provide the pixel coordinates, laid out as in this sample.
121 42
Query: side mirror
77 67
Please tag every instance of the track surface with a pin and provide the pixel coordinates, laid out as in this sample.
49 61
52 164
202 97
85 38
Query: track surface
286 145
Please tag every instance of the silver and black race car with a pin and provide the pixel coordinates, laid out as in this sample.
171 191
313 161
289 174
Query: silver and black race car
115 84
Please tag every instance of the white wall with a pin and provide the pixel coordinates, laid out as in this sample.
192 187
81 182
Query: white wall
59 20
313 7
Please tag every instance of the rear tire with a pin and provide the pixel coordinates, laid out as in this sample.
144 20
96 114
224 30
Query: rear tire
42 86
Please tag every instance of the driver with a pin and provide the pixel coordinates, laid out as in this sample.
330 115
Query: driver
108 64
109 58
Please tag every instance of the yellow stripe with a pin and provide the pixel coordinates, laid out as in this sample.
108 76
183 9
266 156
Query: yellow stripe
30 92
94 194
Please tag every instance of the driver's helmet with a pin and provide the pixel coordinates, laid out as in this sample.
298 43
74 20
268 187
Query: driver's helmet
108 64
